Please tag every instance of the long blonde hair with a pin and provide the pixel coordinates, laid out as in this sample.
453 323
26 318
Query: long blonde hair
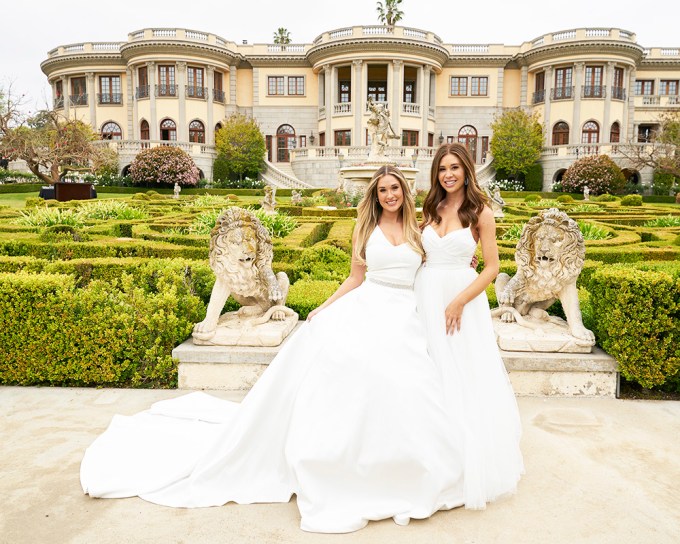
369 212
474 199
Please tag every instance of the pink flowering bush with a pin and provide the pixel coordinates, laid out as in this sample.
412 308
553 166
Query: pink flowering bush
164 166
598 172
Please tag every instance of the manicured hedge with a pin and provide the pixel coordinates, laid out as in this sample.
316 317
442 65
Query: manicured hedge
306 295
636 319
104 334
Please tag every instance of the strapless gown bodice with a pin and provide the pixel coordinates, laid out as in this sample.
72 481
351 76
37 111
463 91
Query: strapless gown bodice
396 265
451 251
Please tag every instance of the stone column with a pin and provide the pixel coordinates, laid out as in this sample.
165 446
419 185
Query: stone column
92 99
499 91
523 87
357 101
67 95
628 127
328 102
608 78
130 104
575 132
425 72
233 86
182 132
547 122
153 121
397 94
210 129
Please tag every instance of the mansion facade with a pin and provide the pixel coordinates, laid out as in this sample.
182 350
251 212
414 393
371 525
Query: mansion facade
593 88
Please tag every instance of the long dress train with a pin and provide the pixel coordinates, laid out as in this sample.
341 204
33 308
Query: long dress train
477 389
350 416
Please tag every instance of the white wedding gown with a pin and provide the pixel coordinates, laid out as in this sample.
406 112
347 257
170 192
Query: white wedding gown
350 416
476 385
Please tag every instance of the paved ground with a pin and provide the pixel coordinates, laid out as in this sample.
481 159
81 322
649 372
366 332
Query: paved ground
598 471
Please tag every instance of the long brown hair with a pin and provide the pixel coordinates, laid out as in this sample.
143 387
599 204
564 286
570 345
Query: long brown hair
369 212
474 199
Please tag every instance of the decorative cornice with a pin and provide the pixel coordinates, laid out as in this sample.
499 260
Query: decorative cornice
80 60
363 47
663 64
277 60
164 47
631 51
478 60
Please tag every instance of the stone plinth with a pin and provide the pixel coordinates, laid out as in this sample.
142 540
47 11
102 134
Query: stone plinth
230 368
562 374
237 368
235 331
358 177
550 337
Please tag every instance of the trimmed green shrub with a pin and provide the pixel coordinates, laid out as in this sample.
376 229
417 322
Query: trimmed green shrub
533 179
663 183
306 295
631 200
636 319
565 199
532 198
104 334
605 197
324 262
598 172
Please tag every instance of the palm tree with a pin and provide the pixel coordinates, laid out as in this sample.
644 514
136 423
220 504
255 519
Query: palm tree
282 36
389 14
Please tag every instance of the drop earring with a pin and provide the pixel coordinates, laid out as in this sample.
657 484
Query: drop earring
466 182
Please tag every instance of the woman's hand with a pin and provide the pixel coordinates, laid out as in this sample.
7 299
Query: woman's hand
453 315
311 314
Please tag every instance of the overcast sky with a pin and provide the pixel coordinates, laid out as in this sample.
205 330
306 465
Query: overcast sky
31 28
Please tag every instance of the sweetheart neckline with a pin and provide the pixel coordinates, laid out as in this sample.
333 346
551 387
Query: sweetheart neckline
450 232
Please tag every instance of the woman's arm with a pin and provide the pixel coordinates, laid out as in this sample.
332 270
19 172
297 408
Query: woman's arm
354 280
486 227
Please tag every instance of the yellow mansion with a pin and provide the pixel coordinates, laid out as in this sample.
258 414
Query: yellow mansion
593 88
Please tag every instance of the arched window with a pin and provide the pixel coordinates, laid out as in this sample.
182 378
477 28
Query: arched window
197 132
144 130
467 136
111 131
168 130
285 140
560 133
590 133
615 133
218 126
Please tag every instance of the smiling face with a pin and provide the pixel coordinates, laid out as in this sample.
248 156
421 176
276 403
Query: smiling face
390 193
451 174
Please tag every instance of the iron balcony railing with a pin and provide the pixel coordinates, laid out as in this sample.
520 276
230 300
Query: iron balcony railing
539 96
218 95
562 93
196 92
618 93
110 98
58 102
166 90
593 91
78 100
142 92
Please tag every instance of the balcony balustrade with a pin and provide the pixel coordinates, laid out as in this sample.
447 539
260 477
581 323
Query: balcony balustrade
593 91
673 100
110 98
651 100
342 109
562 93
385 104
410 109
218 95
78 100
618 93
142 92
196 92
538 97
166 90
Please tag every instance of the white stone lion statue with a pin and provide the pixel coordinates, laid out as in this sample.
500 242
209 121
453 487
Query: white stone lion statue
549 257
241 256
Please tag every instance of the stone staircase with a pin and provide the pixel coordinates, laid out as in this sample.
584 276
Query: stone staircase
281 175
532 374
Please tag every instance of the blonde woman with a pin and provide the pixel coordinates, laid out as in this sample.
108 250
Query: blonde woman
349 416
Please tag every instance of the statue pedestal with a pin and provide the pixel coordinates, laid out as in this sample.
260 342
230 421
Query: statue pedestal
233 330
550 337
357 177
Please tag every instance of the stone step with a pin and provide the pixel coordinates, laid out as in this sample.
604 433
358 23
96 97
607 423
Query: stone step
532 374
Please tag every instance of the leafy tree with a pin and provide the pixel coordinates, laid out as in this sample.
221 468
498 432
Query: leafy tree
240 143
663 153
49 142
517 141
282 36
389 13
